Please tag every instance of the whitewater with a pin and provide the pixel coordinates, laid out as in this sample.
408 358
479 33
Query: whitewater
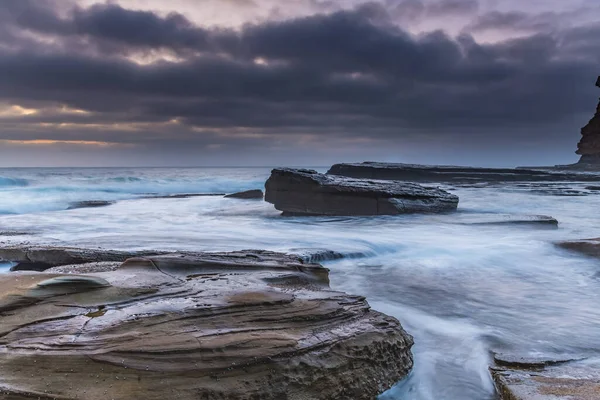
465 285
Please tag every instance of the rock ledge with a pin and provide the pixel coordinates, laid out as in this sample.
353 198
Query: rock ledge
244 325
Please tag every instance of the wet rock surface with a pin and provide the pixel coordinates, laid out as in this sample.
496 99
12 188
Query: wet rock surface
544 221
247 194
547 379
455 174
307 192
242 325
590 247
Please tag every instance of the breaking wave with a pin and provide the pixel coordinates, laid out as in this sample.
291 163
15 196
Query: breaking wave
12 182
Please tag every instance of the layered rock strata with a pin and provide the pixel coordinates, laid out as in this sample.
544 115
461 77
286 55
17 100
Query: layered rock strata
215 326
307 192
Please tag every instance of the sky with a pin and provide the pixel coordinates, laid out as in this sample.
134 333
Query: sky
300 82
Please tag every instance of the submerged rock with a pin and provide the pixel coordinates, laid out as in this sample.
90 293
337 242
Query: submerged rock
243 325
543 221
312 255
182 195
590 247
547 379
248 194
90 204
307 192
454 174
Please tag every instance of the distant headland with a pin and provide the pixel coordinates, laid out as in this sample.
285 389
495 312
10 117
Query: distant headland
589 145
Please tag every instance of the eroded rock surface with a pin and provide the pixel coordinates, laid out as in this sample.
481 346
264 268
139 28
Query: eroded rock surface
243 325
455 174
307 192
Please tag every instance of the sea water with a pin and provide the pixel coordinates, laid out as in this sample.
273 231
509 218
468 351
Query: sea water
464 284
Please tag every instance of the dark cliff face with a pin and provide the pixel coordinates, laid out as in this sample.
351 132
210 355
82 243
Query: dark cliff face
589 145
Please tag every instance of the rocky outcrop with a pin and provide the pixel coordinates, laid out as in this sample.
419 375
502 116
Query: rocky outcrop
589 145
248 194
455 174
547 379
214 326
307 192
42 258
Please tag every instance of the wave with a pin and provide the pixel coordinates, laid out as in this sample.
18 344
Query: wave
12 182
125 179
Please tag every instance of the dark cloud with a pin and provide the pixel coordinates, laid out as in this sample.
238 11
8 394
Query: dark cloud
347 74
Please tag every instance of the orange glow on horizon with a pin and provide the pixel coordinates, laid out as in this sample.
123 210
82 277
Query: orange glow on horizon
50 142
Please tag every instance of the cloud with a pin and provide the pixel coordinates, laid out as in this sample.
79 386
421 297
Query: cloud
344 74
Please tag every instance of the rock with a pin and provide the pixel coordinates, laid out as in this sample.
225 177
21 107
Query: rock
307 192
590 247
530 363
89 204
589 145
14 233
455 174
311 255
544 221
182 195
42 258
548 380
87 268
244 325
248 194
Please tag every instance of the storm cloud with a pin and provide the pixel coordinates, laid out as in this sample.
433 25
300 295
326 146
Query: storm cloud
111 74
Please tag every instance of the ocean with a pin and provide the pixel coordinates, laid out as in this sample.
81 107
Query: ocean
465 285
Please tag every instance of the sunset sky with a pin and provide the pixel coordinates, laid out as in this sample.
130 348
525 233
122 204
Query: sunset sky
300 82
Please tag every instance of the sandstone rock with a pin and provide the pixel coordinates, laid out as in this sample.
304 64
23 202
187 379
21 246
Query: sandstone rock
550 379
42 258
590 247
589 145
455 174
244 325
307 192
248 194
